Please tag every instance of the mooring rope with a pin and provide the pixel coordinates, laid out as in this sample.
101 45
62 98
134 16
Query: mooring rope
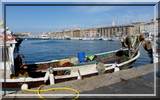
39 91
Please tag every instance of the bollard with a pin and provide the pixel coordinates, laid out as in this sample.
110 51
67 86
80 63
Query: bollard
79 75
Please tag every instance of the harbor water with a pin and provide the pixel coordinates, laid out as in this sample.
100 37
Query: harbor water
45 50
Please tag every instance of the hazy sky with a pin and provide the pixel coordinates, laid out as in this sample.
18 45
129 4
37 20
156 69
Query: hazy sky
51 18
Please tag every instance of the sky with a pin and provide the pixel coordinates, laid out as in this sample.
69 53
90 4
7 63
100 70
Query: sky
55 18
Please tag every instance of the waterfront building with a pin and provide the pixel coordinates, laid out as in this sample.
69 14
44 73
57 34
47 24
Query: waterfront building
77 33
150 27
68 33
57 35
89 33
115 31
138 27
106 32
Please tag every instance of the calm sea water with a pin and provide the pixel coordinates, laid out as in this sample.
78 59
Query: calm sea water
45 50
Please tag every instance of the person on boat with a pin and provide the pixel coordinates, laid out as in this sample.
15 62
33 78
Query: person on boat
127 43
131 41
141 37
122 41
128 40
147 45
21 69
18 64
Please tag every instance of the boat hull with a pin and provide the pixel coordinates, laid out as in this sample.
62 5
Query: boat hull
84 70
9 86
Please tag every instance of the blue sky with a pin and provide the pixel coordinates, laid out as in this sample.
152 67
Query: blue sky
52 18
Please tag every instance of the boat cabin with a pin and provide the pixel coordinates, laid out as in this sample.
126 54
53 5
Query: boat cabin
7 56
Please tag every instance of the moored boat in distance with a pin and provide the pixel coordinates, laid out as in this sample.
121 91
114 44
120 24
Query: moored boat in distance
44 37
67 38
85 38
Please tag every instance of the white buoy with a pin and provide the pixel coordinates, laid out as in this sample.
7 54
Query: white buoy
24 87
51 79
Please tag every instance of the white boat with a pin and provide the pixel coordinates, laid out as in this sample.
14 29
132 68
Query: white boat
75 38
44 37
85 38
105 38
67 38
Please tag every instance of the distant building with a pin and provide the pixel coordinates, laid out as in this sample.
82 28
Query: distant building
92 32
150 27
115 30
109 31
138 27
68 33
77 33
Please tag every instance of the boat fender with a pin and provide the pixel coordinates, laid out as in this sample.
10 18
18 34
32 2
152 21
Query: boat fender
47 74
51 79
116 68
24 86
46 77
